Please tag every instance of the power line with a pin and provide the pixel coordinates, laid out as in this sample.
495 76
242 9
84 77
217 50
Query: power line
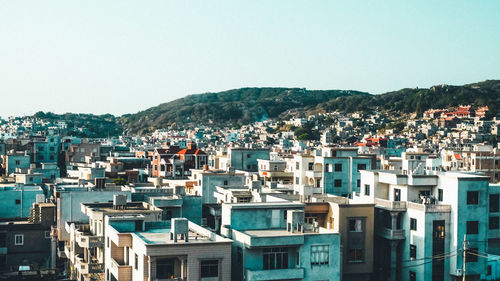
433 260
432 257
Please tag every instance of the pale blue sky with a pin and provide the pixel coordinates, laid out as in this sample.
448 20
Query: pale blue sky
124 56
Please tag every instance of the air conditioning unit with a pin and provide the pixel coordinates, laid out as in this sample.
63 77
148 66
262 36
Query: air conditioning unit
458 272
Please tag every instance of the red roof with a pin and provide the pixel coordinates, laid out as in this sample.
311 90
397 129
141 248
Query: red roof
191 151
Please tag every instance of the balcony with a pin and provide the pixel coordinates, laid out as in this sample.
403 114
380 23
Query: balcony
314 174
120 271
85 268
430 208
276 274
389 205
86 240
67 252
391 234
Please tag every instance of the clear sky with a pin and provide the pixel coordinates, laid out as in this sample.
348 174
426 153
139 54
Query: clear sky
124 56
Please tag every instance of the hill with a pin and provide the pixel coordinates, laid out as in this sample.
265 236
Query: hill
238 106
85 125
246 105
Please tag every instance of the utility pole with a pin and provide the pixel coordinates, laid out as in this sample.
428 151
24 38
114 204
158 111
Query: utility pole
464 257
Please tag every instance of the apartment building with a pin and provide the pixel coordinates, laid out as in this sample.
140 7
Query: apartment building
354 221
271 241
246 159
423 216
333 171
85 249
177 250
206 182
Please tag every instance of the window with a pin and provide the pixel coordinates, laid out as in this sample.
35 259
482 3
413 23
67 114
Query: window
17 162
472 227
51 157
413 224
275 258
297 165
367 189
440 194
413 252
248 155
225 182
311 166
18 239
165 268
494 223
40 157
18 201
413 276
494 200
355 225
337 183
358 183
51 148
328 168
338 167
320 255
356 240
296 180
472 197
471 254
361 167
3 239
209 268
136 263
239 255
489 270
47 234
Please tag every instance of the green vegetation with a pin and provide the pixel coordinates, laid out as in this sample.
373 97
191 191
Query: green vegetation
85 125
247 105
307 132
233 107
243 106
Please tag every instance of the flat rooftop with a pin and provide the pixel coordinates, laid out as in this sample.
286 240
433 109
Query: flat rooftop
162 236
280 232
130 207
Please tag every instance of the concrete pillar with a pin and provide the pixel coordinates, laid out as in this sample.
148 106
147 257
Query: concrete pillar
53 252
394 247
183 264
217 219
394 220
86 254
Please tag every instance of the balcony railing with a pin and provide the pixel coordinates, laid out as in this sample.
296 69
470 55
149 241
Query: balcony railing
89 241
276 274
430 208
391 205
391 234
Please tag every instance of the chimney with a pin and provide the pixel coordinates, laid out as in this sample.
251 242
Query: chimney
180 226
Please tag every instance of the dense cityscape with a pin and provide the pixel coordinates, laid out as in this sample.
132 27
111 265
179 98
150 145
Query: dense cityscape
330 196
226 140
